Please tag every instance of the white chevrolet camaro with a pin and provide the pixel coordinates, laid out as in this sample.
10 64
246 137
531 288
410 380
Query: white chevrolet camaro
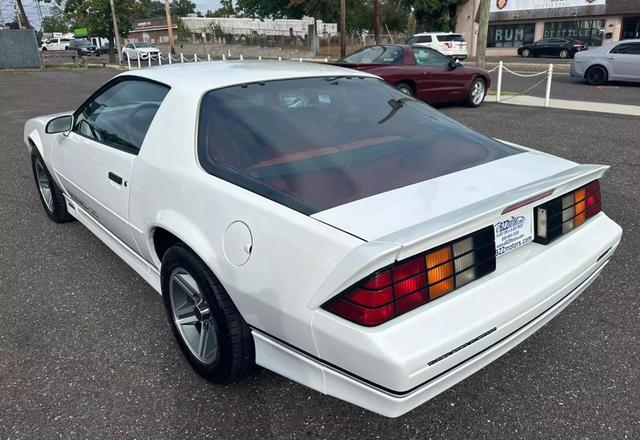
317 222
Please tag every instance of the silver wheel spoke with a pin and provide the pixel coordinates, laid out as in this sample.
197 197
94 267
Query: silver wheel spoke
192 316
204 333
187 319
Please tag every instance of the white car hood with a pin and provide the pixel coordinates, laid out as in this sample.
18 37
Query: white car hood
380 216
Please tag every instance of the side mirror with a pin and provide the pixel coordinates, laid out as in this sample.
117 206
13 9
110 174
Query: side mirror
60 124
452 65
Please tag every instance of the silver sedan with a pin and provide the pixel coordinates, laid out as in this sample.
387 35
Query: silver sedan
618 61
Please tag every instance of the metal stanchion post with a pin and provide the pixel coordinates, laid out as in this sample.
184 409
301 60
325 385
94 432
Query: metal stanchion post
547 94
499 91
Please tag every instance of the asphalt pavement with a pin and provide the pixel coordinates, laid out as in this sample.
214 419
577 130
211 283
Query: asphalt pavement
86 352
565 87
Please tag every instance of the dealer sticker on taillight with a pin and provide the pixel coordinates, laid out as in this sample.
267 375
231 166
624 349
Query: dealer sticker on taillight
513 231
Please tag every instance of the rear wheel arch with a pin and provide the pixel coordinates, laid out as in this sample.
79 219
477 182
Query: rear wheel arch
408 82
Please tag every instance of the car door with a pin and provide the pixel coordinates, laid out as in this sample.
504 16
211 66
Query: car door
541 47
94 161
624 62
439 82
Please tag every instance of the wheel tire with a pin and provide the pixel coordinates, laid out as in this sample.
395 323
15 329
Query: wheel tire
596 75
477 86
50 194
564 54
526 53
405 88
234 355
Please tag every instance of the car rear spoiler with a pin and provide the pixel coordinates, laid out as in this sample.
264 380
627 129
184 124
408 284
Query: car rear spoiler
374 255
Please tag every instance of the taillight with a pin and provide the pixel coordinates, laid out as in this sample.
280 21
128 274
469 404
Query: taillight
410 283
449 45
564 213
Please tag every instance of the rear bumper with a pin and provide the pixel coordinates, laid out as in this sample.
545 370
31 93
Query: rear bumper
393 370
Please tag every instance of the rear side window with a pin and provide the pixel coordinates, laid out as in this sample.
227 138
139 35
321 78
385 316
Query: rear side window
376 55
120 115
315 143
452 37
424 39
629 49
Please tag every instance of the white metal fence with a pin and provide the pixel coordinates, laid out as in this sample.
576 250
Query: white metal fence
138 63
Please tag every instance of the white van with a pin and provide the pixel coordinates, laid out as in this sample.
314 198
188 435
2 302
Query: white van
448 43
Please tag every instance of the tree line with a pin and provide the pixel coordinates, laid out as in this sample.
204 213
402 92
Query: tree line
396 15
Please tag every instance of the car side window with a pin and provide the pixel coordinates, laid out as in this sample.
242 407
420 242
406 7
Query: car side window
424 39
627 49
429 57
121 115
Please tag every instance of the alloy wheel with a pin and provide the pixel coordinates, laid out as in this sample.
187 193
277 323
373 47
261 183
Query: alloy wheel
44 185
192 316
477 94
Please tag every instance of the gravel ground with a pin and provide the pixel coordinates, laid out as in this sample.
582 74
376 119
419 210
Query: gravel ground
86 352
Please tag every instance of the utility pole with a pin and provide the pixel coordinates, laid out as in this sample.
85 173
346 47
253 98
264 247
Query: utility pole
167 11
39 12
115 31
343 28
483 29
22 16
376 21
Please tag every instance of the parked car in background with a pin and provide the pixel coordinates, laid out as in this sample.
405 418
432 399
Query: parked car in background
56 44
140 51
316 221
618 61
447 43
104 49
552 47
83 47
422 72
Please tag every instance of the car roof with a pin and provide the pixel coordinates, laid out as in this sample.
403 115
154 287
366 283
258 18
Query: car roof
436 33
208 75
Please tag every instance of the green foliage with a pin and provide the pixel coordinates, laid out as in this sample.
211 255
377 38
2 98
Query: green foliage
182 8
95 15
55 22
433 15
148 9
226 9
183 31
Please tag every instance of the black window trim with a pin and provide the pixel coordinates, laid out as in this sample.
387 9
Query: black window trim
622 43
101 90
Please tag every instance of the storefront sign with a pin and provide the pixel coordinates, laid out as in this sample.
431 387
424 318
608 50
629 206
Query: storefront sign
523 5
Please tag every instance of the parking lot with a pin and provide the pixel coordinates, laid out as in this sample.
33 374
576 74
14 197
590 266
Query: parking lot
86 352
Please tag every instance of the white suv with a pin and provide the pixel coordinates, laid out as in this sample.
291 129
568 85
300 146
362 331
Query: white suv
447 43
56 44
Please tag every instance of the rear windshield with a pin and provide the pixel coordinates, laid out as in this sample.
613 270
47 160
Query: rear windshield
451 38
376 55
315 143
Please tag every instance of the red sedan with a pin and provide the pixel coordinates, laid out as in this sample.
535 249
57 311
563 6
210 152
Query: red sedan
422 72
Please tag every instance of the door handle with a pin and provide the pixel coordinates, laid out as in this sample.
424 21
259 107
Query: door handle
426 73
117 179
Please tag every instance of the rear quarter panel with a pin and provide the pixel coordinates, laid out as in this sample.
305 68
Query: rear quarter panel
292 254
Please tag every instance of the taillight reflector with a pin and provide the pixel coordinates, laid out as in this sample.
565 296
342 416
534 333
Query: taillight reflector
562 214
415 281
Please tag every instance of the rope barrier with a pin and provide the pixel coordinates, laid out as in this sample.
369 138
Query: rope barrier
522 75
525 91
